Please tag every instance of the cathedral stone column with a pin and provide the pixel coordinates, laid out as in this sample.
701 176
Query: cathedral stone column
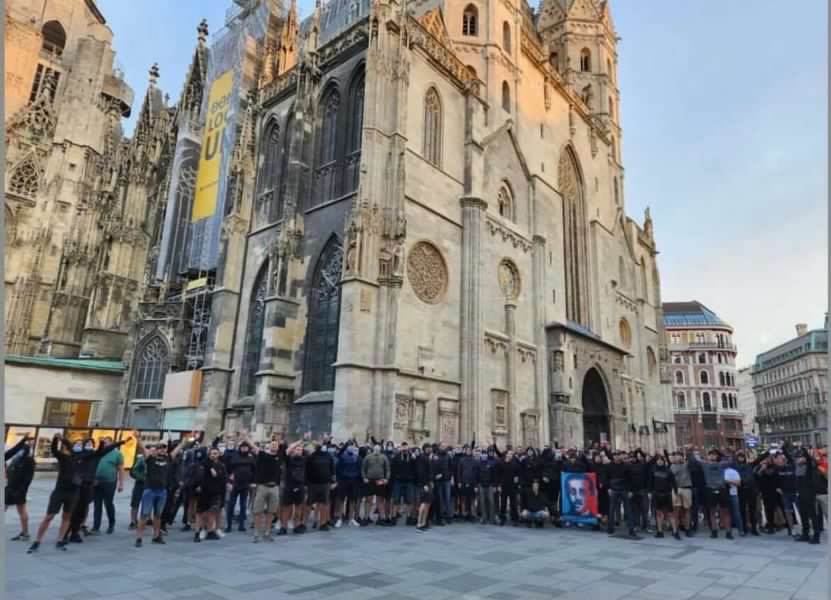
473 223
542 396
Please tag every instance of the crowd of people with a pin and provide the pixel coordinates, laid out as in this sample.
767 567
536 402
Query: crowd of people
322 484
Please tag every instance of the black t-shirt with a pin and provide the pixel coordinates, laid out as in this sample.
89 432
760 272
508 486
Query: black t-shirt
268 468
242 466
157 473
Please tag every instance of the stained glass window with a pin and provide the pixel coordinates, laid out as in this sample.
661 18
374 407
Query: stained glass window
324 317
254 334
151 370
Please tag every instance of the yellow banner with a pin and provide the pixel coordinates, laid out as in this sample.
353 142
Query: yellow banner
210 159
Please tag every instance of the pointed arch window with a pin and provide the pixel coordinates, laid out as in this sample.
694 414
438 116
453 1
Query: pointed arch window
506 36
252 353
585 60
328 146
470 21
356 129
505 203
575 240
321 347
284 165
432 127
270 151
506 97
25 179
151 369
625 332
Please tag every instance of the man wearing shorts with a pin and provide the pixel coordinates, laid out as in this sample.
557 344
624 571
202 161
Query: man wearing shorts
20 471
682 498
72 461
402 468
375 470
137 472
267 470
426 472
294 490
157 476
211 491
320 476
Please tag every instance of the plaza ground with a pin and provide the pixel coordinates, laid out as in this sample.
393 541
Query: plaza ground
463 561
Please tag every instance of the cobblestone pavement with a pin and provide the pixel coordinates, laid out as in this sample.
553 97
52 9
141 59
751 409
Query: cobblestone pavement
461 561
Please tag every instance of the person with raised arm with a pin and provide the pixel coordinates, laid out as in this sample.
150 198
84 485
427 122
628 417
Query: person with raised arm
157 466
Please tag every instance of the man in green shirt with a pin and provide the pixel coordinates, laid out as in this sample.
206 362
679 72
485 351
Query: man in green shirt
109 477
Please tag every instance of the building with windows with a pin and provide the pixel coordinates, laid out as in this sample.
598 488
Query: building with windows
704 386
790 383
404 220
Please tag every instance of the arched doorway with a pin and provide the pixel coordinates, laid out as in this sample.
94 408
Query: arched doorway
595 408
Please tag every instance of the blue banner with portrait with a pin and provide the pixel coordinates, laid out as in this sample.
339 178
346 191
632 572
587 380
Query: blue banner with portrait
578 498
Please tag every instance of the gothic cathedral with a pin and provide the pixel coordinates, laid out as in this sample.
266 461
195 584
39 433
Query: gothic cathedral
393 218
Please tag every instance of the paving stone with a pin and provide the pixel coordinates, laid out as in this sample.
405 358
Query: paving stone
464 583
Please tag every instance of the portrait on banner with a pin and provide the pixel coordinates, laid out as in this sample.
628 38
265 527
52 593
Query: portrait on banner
579 502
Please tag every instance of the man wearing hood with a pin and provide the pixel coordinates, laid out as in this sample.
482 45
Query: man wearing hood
375 470
20 470
348 477
241 467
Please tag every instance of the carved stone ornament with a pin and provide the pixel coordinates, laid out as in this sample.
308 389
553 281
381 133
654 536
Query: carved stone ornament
427 272
509 281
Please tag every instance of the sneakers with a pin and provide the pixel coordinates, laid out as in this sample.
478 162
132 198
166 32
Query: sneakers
256 539
227 530
138 542
659 534
212 535
219 534
186 527
159 540
60 546
241 528
33 548
21 537
268 537
339 524
300 529
94 531
729 535
713 534
132 525
677 536
110 529
802 538
690 533
282 531
197 537
203 534
354 523
76 538
421 529
323 528
633 535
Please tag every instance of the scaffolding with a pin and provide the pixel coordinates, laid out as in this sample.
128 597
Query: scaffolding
197 298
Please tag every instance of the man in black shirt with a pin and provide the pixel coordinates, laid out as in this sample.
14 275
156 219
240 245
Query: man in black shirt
72 461
425 472
241 467
294 490
157 477
320 476
267 476
20 471
620 493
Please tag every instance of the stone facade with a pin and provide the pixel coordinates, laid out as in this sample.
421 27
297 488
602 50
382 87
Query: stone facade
430 240
790 383
704 386
80 199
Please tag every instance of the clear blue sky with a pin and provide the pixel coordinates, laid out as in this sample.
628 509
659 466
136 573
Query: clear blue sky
724 111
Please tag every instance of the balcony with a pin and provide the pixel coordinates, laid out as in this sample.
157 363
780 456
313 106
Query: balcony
713 345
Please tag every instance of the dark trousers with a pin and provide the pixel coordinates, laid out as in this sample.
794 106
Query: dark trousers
79 515
103 495
771 501
808 512
697 505
618 500
171 506
640 509
509 493
748 499
235 493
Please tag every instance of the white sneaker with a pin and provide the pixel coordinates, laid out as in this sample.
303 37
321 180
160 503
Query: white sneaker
339 524
203 534
219 533
354 523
